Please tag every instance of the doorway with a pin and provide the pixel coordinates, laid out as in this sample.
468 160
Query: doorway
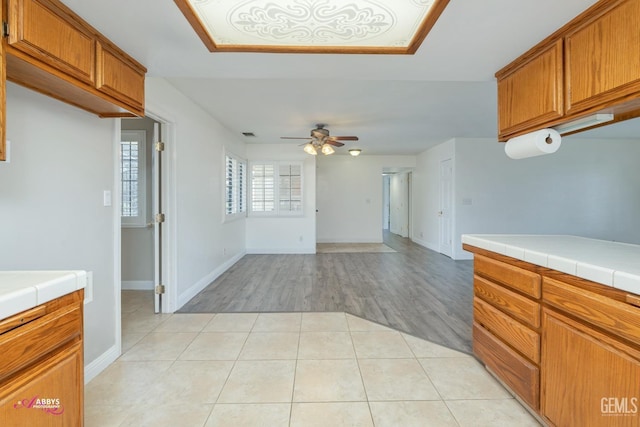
142 216
446 206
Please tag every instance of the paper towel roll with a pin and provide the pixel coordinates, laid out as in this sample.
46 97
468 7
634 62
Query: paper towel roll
545 141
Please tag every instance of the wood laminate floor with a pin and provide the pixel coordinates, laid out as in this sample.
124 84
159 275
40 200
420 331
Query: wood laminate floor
414 290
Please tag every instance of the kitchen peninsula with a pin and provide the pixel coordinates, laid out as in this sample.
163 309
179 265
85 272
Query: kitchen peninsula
557 320
41 348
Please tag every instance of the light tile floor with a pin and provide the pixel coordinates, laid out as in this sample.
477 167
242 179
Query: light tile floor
288 369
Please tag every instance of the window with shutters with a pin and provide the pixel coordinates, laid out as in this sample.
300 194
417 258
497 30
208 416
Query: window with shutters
276 188
235 195
133 171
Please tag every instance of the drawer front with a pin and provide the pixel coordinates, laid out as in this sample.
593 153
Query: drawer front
509 330
514 277
614 316
512 303
522 376
45 32
20 347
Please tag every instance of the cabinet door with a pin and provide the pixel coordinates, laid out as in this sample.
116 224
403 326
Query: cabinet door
588 379
532 94
48 394
119 77
51 34
602 58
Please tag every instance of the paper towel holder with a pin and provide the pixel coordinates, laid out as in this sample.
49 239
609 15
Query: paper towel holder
583 123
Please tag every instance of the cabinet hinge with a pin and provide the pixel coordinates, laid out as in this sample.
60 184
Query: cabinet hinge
159 289
160 146
5 29
160 217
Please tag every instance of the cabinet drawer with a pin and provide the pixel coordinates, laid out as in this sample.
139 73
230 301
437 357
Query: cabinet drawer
614 316
22 346
512 303
522 376
514 277
51 34
509 330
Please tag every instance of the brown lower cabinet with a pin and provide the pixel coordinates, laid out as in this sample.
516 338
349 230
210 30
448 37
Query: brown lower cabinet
566 347
42 369
588 378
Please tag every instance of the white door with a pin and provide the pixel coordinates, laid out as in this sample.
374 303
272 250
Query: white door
446 196
158 216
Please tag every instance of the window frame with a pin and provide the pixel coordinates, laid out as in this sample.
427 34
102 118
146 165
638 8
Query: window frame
140 220
240 199
277 211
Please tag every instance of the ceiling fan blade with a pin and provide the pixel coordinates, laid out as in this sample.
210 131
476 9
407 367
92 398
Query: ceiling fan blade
344 138
294 137
334 143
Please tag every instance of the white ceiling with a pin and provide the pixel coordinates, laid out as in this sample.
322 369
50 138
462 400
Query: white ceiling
395 104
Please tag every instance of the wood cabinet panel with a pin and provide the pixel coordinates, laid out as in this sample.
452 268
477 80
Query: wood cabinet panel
518 336
516 278
587 380
602 58
58 379
617 317
119 77
22 345
522 376
512 303
49 33
533 93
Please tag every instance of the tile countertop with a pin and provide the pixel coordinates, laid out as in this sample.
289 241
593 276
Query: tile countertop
609 263
22 290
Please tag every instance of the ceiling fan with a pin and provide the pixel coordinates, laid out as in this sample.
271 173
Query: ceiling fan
320 140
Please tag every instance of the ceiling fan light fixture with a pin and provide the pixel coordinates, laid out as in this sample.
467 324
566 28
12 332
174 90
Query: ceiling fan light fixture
355 152
327 149
310 149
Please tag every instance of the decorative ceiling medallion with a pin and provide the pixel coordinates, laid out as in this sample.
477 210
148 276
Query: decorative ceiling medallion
312 26
309 22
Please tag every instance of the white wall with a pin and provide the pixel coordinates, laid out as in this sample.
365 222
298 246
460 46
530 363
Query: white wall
349 196
51 201
588 188
205 245
426 194
399 206
268 235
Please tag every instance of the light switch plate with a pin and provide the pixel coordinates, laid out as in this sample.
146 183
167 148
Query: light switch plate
106 197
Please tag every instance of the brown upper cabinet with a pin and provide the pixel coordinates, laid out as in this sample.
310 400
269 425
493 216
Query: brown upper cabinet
530 93
50 49
591 65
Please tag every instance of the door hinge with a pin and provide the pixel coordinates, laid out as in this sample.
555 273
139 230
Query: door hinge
159 289
159 146
5 29
160 218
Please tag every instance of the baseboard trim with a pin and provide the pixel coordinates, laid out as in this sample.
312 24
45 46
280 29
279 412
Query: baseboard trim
137 285
185 296
347 240
101 363
426 244
277 251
